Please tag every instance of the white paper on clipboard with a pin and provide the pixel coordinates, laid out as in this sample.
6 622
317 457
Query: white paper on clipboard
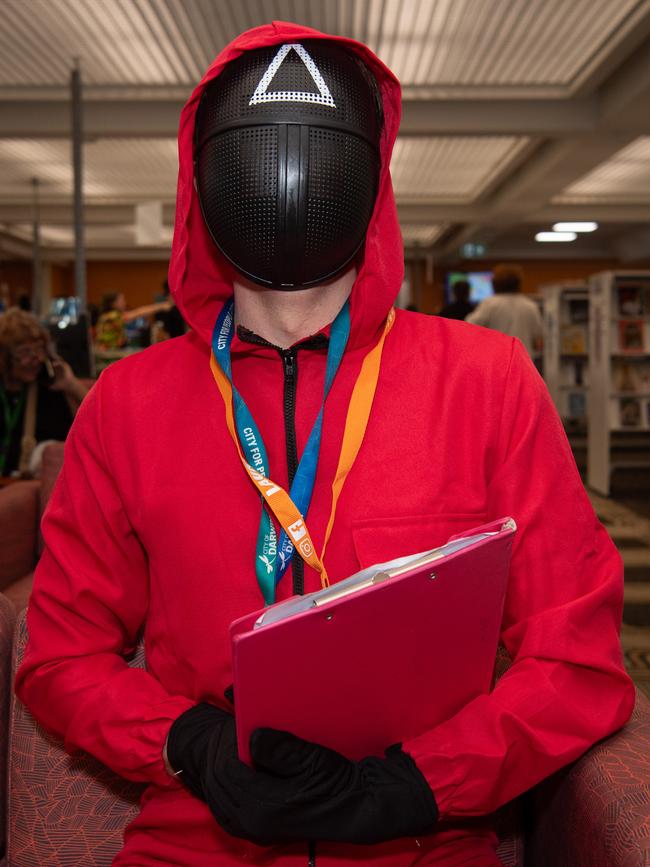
370 575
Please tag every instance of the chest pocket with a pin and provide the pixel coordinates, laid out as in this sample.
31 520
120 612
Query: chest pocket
379 539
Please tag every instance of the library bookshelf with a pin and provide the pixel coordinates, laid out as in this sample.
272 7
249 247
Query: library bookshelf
566 350
619 374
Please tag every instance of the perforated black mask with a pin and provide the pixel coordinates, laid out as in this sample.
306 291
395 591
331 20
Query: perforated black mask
287 161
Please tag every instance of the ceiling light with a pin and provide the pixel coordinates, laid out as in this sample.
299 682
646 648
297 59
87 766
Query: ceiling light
555 236
575 227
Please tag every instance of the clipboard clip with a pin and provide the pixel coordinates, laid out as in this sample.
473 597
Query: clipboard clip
337 592
340 591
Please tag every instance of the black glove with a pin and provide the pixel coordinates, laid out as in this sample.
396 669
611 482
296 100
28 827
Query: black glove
198 743
299 791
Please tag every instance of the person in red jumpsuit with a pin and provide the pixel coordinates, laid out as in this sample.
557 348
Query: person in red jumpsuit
286 261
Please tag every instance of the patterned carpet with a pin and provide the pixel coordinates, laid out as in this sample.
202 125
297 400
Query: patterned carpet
628 523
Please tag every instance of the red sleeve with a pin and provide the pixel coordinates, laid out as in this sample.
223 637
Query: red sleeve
88 606
567 687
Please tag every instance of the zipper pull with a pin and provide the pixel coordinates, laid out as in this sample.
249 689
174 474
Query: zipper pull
289 364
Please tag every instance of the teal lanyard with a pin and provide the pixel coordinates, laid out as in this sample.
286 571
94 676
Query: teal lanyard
11 416
272 558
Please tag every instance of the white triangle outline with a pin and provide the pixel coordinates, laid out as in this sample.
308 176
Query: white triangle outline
261 95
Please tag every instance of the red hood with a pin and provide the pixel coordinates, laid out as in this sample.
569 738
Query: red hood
200 278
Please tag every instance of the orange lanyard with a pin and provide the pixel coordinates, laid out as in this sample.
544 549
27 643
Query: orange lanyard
275 496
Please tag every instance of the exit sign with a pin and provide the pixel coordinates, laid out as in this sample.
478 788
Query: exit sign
472 251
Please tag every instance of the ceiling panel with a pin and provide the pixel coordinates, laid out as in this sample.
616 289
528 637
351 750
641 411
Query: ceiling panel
94 236
623 179
123 169
428 43
453 169
450 169
125 235
422 236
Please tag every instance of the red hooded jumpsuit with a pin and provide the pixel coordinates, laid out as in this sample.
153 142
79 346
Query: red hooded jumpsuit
154 521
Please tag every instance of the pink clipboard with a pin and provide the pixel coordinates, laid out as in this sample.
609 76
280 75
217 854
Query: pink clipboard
382 664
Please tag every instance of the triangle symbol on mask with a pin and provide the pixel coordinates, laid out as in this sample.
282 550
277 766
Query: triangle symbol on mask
263 95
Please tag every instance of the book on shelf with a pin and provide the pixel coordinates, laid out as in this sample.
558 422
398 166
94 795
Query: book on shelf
642 372
631 335
577 405
574 373
632 376
578 310
630 300
578 369
630 412
574 340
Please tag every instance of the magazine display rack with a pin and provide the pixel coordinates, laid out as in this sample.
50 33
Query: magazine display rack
619 369
566 350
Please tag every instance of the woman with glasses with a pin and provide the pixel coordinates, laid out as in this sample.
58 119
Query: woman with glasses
39 393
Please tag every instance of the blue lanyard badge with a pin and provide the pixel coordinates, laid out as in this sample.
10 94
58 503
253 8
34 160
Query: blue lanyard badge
272 558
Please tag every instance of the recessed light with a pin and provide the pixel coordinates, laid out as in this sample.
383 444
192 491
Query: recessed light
575 227
548 237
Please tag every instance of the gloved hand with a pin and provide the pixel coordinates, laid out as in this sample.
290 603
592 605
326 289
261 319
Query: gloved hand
199 742
299 791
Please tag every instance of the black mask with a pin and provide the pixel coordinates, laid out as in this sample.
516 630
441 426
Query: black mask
287 161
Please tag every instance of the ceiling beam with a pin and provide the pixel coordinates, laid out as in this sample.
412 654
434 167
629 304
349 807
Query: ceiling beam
521 117
135 118
548 172
410 212
555 166
626 95
621 101
515 253
101 119
601 213
510 210
633 246
61 213
631 33
14 248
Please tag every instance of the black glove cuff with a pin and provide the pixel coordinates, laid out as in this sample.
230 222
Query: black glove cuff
188 741
427 815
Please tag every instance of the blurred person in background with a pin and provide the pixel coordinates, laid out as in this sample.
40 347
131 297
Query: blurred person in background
5 302
461 306
509 310
93 316
111 330
39 392
171 321
24 302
